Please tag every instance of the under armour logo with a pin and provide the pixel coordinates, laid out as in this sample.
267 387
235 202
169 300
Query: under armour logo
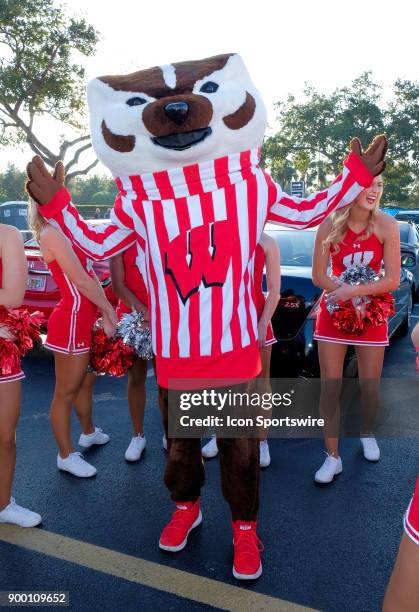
80 343
356 245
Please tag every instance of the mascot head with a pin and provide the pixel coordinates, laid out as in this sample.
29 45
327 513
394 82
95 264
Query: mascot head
173 115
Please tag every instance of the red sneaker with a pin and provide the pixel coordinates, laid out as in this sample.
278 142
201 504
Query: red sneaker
175 535
247 549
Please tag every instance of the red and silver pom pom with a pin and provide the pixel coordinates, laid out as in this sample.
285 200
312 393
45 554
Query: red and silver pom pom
9 357
25 330
379 308
109 355
351 316
347 319
134 334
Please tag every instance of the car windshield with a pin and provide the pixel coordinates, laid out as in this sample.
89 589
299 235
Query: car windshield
296 246
409 216
404 232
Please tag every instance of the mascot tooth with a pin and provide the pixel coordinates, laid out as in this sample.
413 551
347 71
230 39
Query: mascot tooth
182 142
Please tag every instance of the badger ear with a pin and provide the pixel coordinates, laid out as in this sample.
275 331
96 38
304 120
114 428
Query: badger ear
236 68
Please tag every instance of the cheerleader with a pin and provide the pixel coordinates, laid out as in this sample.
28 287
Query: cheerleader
128 285
69 337
13 274
403 589
359 234
266 256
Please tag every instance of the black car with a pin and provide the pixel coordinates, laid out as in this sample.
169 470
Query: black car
409 240
14 213
408 215
295 353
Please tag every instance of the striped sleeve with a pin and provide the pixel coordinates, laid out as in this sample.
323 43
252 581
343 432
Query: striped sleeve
306 212
97 241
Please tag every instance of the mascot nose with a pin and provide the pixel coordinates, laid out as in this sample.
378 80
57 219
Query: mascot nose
177 111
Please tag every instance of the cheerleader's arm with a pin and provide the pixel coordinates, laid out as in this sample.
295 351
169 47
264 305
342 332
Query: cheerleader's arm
14 267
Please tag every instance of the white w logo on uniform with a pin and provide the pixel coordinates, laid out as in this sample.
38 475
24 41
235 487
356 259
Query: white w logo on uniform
360 258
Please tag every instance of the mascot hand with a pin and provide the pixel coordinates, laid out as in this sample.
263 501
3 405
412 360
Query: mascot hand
374 156
42 186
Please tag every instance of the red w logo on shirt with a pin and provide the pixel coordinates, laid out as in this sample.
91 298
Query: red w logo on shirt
202 254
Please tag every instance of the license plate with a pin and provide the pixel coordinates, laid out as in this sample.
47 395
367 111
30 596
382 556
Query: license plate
36 283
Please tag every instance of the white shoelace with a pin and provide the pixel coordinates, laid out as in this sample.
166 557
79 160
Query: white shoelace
14 506
77 455
96 431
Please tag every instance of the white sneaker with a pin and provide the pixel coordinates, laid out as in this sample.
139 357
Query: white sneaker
13 513
97 437
210 449
135 448
76 465
164 442
264 456
371 450
330 468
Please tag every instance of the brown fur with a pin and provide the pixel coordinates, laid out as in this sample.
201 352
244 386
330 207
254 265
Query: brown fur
188 73
243 115
159 124
122 144
151 81
239 462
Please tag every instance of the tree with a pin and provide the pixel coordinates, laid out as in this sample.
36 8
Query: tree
313 135
39 77
12 184
85 191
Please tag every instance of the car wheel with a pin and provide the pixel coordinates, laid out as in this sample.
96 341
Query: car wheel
405 325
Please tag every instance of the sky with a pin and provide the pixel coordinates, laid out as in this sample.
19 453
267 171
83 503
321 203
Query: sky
284 43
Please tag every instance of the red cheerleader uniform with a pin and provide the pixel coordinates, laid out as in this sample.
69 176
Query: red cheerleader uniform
259 295
17 373
368 252
70 325
411 518
133 280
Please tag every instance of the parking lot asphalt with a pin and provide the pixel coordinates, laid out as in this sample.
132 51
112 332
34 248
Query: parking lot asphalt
327 548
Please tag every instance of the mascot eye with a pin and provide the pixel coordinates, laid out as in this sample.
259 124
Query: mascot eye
136 101
209 87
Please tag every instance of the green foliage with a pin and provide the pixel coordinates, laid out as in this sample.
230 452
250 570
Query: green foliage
12 184
39 75
313 135
37 70
102 198
94 189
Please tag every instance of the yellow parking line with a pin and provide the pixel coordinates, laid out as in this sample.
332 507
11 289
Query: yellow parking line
154 575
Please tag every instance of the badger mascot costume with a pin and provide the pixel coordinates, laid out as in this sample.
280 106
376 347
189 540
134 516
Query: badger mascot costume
183 142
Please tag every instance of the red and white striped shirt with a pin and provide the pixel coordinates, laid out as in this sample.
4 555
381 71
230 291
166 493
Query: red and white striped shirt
196 230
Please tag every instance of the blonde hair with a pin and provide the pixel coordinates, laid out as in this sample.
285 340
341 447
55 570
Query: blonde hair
340 219
36 221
